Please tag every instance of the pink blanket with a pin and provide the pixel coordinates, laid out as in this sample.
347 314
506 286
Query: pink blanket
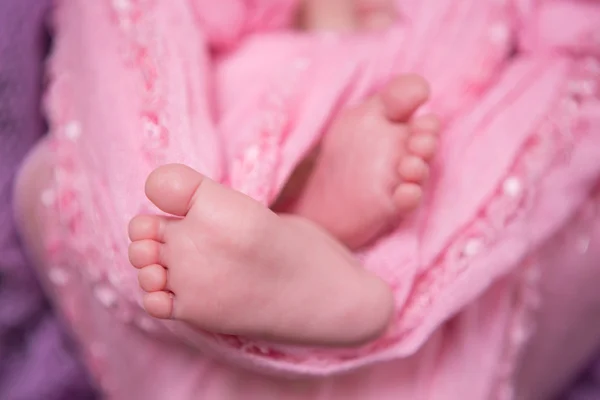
499 261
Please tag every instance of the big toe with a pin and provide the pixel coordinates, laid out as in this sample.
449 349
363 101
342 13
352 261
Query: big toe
172 187
403 96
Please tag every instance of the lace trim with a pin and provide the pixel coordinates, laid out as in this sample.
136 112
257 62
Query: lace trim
68 196
141 52
528 298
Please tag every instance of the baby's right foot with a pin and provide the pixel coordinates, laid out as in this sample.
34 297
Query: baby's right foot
371 165
227 264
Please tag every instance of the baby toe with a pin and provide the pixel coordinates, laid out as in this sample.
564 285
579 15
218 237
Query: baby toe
159 304
144 227
408 196
427 123
423 146
413 169
143 253
153 278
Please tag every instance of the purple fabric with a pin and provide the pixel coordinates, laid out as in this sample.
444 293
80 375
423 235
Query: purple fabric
587 386
36 361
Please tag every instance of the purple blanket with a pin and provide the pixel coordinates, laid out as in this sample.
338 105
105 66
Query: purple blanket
36 361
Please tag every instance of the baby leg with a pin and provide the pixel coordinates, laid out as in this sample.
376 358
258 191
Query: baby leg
224 263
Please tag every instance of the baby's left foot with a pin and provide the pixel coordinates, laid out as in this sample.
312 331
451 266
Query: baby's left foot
226 264
371 165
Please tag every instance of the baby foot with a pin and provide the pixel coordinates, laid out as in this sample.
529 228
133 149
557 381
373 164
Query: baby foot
371 165
226 264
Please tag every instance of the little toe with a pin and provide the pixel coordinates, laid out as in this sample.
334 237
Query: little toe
408 196
144 227
159 304
413 169
143 253
153 278
423 146
172 187
403 96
